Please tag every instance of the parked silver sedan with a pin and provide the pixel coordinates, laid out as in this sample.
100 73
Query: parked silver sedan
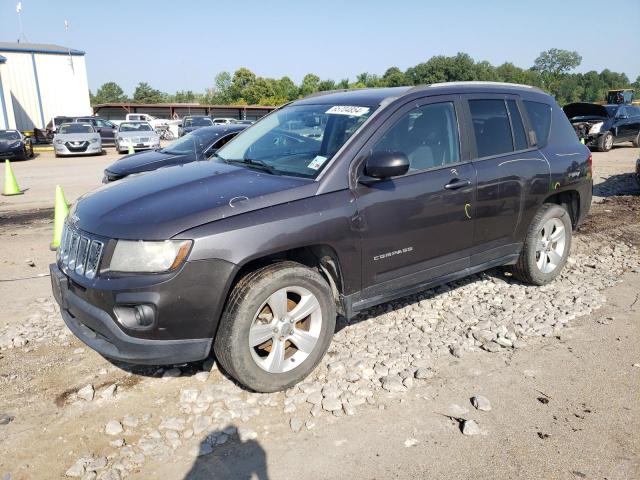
77 139
138 135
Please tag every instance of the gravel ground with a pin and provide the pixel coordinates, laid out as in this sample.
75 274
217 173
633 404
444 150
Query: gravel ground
65 411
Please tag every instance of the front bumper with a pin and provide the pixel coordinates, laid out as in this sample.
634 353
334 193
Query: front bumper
124 146
17 152
187 308
92 149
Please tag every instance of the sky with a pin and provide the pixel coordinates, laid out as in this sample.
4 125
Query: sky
183 45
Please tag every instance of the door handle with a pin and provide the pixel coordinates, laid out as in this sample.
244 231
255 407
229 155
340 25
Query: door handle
456 183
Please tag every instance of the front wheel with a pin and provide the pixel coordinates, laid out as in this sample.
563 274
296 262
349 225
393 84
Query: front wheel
546 247
605 142
276 327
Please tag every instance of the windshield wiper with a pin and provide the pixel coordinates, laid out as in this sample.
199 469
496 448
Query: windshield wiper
251 163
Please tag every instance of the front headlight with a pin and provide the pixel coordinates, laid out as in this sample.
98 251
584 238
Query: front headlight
149 257
59 142
595 128
94 140
15 144
120 139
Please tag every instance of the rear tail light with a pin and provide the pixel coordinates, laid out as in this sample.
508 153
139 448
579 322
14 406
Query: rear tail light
590 165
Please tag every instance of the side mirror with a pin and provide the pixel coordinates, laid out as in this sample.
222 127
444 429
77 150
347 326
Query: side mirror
381 165
98 129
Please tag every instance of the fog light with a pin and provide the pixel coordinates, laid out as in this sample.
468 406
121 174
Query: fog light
135 317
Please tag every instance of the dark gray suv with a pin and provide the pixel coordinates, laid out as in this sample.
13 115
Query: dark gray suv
329 205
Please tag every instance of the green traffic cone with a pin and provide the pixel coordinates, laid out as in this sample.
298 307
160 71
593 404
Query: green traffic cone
10 182
60 212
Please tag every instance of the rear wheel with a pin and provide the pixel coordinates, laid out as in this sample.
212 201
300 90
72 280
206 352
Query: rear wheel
546 247
276 327
636 141
605 142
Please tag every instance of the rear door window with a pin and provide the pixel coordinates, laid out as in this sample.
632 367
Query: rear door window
491 127
540 119
519 136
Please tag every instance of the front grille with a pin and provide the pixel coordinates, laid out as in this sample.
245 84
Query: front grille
79 252
76 146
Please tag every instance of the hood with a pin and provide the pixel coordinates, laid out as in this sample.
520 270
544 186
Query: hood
145 161
161 204
75 137
581 109
6 143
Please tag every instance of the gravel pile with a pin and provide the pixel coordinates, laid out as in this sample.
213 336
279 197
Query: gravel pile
44 324
382 353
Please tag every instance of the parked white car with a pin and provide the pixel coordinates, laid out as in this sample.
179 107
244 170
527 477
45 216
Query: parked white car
77 139
138 135
143 117
224 120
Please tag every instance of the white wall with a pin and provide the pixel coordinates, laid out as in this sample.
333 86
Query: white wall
63 88
8 112
63 85
20 90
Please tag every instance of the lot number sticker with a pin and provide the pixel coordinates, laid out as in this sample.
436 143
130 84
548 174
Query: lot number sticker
348 110
317 162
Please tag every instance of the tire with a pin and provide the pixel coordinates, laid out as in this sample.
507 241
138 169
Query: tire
605 142
636 141
249 309
540 267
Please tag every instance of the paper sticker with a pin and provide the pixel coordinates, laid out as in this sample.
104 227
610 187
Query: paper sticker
348 110
317 162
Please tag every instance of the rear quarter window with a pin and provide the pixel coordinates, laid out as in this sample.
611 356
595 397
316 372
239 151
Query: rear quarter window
540 118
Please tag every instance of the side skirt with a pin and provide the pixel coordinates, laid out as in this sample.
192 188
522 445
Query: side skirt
354 303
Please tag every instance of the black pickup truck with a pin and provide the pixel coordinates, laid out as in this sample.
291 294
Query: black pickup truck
329 205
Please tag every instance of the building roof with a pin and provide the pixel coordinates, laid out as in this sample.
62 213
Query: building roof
127 105
38 48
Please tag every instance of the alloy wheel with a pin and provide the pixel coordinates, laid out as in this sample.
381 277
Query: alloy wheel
550 245
285 329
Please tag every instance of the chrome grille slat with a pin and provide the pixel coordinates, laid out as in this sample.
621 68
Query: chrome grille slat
83 251
73 250
93 259
79 252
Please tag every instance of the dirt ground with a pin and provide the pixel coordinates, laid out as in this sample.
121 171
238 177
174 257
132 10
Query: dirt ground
565 406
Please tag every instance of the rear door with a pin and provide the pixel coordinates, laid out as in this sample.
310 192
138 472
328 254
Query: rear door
508 169
417 227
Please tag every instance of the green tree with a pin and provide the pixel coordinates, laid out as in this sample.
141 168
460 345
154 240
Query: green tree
109 92
556 62
310 84
144 93
394 77
242 79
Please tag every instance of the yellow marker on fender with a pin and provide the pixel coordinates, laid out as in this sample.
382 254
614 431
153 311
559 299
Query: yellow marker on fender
556 186
467 206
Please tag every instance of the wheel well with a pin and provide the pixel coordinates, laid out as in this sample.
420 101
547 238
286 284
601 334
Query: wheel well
322 258
569 200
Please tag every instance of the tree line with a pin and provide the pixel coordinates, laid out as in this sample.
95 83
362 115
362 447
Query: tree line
551 71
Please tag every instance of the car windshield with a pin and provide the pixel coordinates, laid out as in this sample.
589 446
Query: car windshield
9 135
193 142
296 140
76 128
135 127
198 122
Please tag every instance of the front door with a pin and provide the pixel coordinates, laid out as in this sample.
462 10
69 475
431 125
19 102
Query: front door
419 226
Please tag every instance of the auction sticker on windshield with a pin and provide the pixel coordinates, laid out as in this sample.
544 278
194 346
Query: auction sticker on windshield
348 110
317 162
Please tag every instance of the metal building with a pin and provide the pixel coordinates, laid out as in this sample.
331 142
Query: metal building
118 111
38 82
